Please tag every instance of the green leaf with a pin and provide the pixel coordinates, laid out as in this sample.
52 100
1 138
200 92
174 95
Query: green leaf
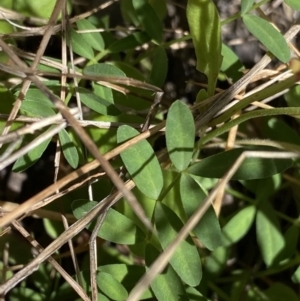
167 285
53 228
31 157
128 12
180 135
102 297
36 109
231 63
24 293
111 287
185 261
148 19
104 92
96 103
246 5
69 150
292 96
279 130
103 69
216 261
159 67
268 36
208 228
116 227
79 45
129 42
205 30
296 276
294 4
239 284
279 291
238 225
195 295
128 275
291 236
93 39
160 7
252 168
141 163
38 96
268 233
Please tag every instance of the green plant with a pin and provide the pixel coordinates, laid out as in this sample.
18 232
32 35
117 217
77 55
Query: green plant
157 204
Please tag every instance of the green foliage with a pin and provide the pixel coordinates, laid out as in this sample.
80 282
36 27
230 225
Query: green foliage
269 237
180 132
141 163
268 36
294 4
114 221
205 30
111 287
246 5
252 168
238 226
121 72
208 229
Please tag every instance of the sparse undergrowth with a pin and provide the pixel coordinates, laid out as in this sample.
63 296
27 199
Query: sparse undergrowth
162 186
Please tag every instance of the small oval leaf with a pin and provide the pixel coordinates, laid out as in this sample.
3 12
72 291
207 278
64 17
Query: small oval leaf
252 168
31 157
185 261
208 228
36 109
103 69
270 240
148 19
111 287
69 150
167 285
159 67
231 64
128 275
38 96
79 45
96 103
116 227
129 42
238 225
141 163
268 36
279 291
94 39
246 5
180 135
